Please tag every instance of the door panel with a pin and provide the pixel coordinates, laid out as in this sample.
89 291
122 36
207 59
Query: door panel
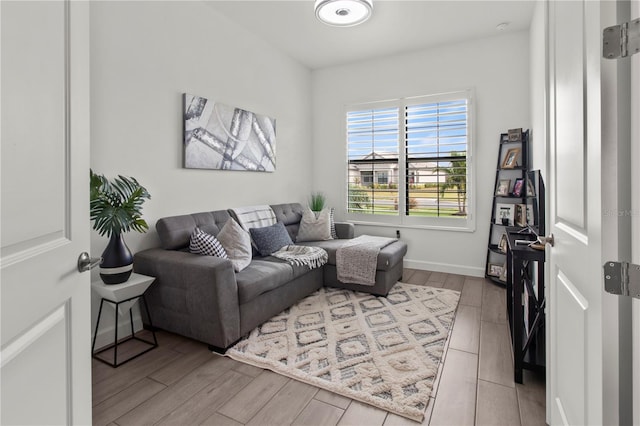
23 362
570 395
45 302
36 136
575 322
570 157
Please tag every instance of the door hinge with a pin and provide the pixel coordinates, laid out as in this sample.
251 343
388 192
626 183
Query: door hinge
622 40
622 278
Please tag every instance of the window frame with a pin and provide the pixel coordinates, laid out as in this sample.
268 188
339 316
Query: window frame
401 219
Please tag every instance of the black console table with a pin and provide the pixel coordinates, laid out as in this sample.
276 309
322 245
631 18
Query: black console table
525 302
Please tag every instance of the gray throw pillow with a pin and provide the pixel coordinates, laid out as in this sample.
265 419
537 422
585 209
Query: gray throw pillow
237 243
314 229
270 239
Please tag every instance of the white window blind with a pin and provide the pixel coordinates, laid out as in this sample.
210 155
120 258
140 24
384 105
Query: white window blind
411 160
373 150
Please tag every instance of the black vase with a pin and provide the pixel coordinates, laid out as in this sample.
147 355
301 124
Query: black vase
117 261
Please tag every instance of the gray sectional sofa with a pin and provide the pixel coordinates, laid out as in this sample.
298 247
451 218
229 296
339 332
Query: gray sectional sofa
201 297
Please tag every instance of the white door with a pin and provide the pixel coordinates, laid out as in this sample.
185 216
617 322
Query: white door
575 387
45 302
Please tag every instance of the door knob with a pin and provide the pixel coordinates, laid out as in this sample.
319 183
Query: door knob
87 263
547 240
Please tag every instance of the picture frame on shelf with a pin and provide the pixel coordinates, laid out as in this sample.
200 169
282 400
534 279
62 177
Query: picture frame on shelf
505 214
494 270
530 216
511 158
515 135
502 245
503 274
520 217
517 187
503 187
531 190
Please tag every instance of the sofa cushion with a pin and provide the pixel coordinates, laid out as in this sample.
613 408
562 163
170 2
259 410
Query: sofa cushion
237 243
206 244
175 231
290 215
387 258
263 275
270 239
314 228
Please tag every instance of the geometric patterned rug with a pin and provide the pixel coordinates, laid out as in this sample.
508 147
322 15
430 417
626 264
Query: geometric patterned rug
383 351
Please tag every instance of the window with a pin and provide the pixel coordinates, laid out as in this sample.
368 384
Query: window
382 178
373 137
409 161
367 178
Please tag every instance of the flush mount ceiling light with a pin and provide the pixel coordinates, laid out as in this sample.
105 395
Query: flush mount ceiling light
343 13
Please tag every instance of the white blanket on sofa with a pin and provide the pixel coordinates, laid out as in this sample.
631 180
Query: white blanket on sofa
356 261
313 257
254 216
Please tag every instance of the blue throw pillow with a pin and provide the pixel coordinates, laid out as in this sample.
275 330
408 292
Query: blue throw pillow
270 239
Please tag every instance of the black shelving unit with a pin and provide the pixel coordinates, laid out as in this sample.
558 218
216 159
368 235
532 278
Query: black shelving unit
525 303
511 171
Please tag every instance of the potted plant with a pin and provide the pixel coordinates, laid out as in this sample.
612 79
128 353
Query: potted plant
317 202
116 207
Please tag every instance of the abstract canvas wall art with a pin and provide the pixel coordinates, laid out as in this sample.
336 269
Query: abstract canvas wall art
217 136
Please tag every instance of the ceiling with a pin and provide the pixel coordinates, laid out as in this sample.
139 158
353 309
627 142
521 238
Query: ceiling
396 26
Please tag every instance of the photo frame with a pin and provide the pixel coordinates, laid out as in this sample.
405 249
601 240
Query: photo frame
494 270
531 190
515 135
517 187
503 187
505 214
520 218
503 274
502 245
530 216
511 158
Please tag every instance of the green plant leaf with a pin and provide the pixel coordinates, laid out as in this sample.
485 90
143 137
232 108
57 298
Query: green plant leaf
116 206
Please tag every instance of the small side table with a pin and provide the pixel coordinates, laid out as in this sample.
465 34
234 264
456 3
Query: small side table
126 294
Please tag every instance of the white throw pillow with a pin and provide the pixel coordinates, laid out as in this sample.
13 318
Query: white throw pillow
237 243
314 229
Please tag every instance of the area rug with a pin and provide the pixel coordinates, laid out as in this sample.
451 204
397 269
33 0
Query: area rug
383 351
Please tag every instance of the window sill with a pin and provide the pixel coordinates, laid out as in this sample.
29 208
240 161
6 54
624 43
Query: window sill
412 226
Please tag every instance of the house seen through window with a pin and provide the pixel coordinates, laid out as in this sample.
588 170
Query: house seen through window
410 159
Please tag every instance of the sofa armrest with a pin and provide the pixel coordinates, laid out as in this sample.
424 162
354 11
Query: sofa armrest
194 296
345 230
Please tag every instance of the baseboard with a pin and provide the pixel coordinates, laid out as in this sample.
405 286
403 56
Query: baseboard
444 267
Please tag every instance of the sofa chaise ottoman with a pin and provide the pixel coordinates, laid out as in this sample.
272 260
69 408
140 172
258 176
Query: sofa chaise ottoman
203 298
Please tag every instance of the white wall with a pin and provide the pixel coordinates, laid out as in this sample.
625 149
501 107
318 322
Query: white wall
497 68
538 81
144 55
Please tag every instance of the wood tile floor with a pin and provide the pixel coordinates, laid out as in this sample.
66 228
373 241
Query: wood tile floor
183 383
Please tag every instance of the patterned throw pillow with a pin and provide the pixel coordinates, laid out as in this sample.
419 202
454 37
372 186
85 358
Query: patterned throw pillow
237 243
334 234
314 229
270 239
207 244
